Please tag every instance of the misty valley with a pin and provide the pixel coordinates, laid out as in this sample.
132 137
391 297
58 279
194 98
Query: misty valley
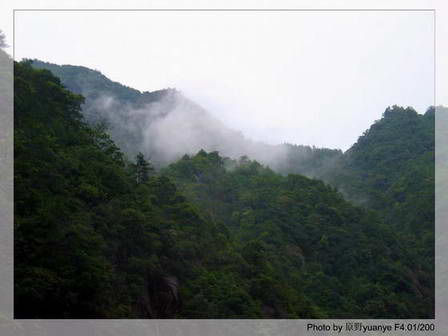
134 204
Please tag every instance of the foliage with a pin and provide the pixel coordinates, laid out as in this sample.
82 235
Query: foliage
307 251
93 235
98 236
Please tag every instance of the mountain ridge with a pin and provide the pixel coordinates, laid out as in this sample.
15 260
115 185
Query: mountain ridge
202 131
232 238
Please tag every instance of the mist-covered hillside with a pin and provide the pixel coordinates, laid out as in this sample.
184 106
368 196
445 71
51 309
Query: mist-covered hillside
165 125
213 233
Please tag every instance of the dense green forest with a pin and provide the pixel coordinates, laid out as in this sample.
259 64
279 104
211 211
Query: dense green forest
391 169
101 233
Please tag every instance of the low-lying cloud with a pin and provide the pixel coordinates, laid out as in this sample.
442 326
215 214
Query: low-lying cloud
166 128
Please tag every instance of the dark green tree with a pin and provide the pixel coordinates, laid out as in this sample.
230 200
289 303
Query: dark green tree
143 169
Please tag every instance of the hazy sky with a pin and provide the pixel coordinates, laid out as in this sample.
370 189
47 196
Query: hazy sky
316 78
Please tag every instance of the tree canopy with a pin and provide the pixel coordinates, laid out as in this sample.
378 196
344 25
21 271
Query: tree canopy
98 235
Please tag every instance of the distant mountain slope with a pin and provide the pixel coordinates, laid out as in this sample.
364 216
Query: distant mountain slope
384 152
304 241
391 169
99 237
392 162
90 83
93 241
164 124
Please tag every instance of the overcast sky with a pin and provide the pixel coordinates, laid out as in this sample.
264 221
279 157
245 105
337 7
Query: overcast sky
315 78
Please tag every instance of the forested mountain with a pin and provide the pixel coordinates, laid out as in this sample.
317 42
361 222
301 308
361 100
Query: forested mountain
94 236
299 231
101 236
164 125
391 169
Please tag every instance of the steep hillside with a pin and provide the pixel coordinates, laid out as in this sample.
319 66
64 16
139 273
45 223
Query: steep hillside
391 169
389 149
165 125
298 231
97 236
